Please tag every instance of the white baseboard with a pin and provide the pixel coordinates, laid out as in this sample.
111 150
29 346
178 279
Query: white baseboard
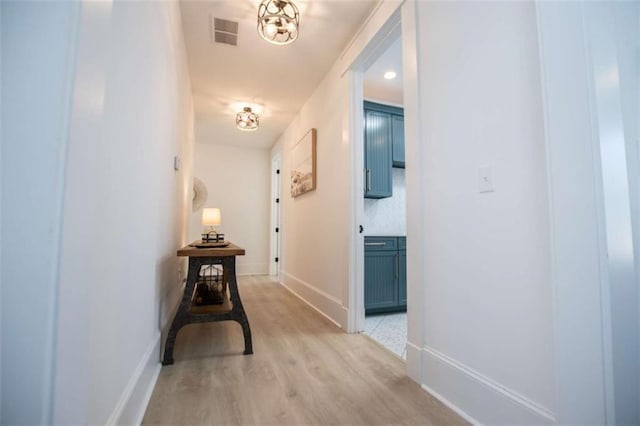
133 402
450 405
252 268
250 274
414 362
327 305
475 397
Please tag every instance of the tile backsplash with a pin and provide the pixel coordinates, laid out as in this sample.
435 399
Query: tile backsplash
387 216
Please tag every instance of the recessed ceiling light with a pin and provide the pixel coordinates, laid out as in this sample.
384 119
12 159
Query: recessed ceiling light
389 75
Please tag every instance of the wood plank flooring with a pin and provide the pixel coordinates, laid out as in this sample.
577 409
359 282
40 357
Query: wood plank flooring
304 371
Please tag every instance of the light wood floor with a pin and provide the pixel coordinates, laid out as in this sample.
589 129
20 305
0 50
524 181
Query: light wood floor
304 371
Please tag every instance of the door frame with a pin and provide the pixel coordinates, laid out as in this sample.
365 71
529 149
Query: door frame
394 19
355 78
275 240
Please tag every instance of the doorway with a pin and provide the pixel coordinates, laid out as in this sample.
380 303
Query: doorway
275 231
384 210
386 28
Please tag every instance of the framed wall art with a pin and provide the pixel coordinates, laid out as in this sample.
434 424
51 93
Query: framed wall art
303 164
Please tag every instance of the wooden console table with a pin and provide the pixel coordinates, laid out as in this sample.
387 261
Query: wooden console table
230 310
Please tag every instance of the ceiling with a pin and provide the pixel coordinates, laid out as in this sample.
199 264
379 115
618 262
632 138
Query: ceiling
376 87
275 79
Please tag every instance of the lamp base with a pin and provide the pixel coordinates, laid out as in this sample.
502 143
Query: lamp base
212 237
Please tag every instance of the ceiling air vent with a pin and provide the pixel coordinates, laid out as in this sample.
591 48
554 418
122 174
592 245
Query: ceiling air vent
223 31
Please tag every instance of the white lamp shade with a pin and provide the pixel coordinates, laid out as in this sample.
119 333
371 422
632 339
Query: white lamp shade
211 217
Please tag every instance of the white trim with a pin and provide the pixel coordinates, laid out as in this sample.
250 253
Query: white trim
598 183
382 29
414 362
415 142
325 304
50 366
135 397
251 274
252 268
355 130
369 36
618 284
450 405
379 31
486 400
576 245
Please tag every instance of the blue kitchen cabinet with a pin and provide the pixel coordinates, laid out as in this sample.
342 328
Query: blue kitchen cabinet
385 282
383 148
379 269
397 140
377 155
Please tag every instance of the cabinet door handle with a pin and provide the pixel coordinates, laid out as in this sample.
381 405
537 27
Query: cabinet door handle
368 180
374 244
364 177
396 266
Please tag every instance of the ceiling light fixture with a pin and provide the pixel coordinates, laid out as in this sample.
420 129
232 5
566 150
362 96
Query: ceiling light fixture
278 21
390 75
247 120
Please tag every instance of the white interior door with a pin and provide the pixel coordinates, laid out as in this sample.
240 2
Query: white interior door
274 261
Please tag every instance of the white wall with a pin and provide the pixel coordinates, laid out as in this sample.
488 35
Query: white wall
512 325
37 61
488 341
388 216
237 181
124 208
488 300
315 225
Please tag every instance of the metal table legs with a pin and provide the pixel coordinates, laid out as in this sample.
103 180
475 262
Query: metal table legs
184 315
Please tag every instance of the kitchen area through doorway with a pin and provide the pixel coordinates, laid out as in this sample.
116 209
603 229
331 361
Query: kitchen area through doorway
385 230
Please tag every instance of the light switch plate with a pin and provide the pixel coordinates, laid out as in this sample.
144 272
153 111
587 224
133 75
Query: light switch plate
176 163
485 179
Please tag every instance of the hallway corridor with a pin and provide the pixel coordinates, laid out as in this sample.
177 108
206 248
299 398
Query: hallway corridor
304 370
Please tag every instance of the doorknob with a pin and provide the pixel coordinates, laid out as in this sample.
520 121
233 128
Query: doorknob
361 229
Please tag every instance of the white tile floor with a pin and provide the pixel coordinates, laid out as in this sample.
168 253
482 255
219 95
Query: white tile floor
390 330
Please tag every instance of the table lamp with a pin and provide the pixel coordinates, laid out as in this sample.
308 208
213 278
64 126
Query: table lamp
211 218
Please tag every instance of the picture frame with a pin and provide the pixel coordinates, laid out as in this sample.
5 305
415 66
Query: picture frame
303 165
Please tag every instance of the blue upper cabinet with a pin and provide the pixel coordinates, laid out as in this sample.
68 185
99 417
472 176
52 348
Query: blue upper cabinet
384 148
397 135
377 155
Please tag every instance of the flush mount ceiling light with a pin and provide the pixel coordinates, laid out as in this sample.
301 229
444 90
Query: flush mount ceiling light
278 21
389 75
247 120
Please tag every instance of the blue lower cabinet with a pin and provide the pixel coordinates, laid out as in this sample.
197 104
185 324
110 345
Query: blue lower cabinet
385 282
379 272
